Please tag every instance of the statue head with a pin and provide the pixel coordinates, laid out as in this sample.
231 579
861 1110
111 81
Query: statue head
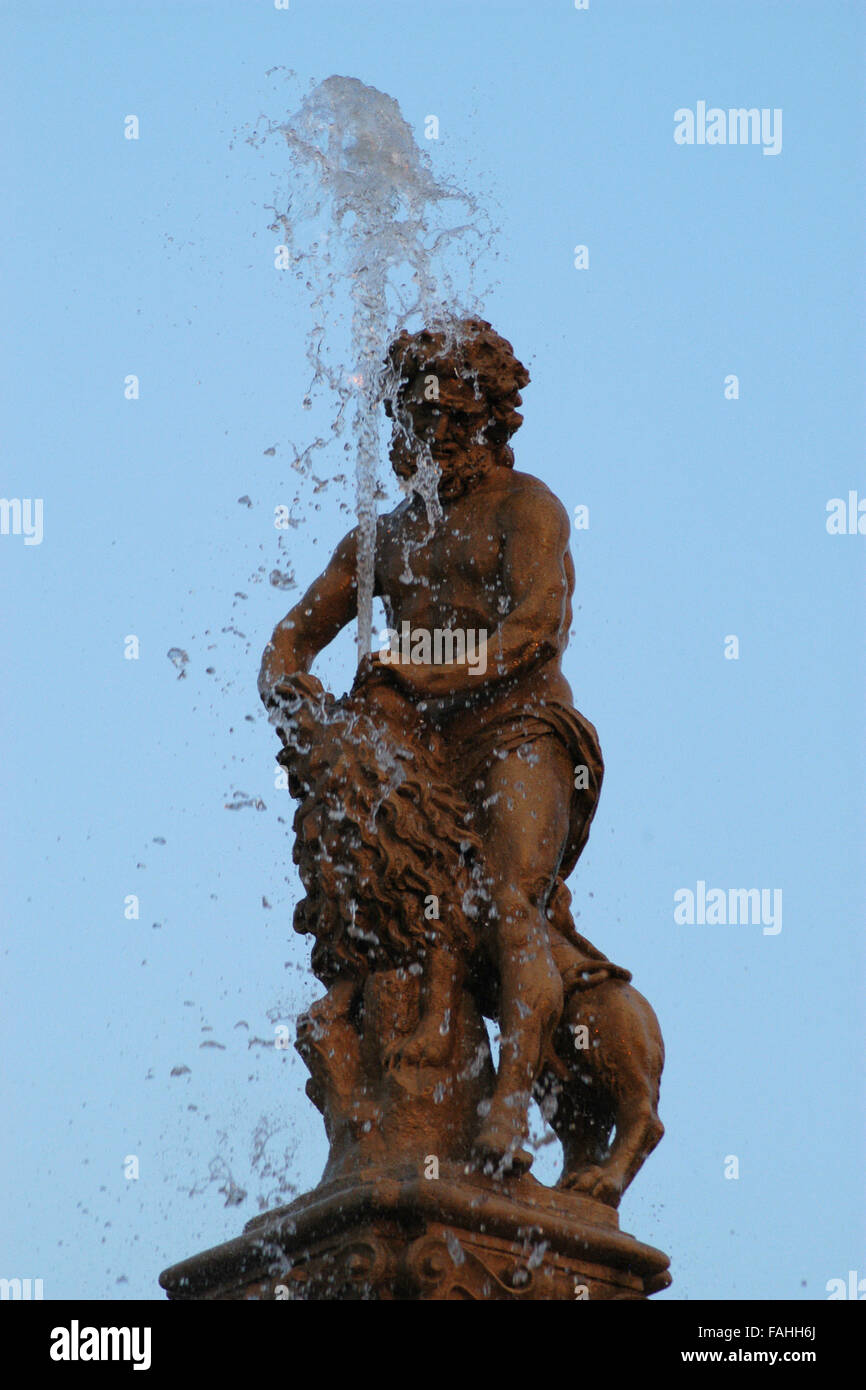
457 396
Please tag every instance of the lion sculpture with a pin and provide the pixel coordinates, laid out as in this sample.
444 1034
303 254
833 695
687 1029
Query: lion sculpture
395 900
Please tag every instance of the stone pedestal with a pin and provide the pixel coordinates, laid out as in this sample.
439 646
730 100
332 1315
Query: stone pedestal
403 1237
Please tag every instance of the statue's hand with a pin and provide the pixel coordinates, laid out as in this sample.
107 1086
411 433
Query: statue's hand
377 681
278 687
381 697
298 710
370 673
289 690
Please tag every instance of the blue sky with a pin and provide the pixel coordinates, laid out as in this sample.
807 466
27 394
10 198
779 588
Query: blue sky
707 519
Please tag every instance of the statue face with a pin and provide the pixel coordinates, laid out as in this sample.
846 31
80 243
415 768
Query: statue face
456 404
444 414
426 416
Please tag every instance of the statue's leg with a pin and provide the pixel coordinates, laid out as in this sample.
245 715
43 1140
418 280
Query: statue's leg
524 823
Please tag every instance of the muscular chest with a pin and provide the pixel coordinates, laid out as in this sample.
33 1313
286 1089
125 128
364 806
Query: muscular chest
458 566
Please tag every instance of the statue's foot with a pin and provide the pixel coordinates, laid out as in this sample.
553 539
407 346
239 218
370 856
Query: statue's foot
426 1047
500 1149
604 1184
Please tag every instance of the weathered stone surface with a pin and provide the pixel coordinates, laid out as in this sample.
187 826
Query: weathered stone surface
442 804
463 1236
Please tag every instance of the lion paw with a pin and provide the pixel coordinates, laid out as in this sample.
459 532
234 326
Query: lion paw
499 1149
422 1048
604 1184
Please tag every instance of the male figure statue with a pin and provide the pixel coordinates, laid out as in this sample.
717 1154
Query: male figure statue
526 761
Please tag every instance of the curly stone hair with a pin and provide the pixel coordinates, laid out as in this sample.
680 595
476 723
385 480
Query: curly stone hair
472 351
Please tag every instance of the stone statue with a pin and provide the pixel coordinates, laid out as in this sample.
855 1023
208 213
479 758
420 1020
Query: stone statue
442 806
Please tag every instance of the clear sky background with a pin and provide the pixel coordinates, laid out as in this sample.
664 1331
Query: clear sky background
707 519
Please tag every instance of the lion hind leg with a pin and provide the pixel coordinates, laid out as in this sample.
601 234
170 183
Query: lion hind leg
617 1076
638 1130
582 1123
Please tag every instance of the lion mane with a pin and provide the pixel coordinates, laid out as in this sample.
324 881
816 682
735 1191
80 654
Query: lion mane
379 833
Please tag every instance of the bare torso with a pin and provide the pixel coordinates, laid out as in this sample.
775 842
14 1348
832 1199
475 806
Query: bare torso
464 574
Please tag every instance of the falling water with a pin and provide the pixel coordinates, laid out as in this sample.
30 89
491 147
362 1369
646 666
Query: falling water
366 223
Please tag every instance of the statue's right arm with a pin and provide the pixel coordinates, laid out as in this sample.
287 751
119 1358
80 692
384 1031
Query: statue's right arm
328 605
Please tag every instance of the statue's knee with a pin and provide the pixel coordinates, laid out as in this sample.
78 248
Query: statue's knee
522 898
553 998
